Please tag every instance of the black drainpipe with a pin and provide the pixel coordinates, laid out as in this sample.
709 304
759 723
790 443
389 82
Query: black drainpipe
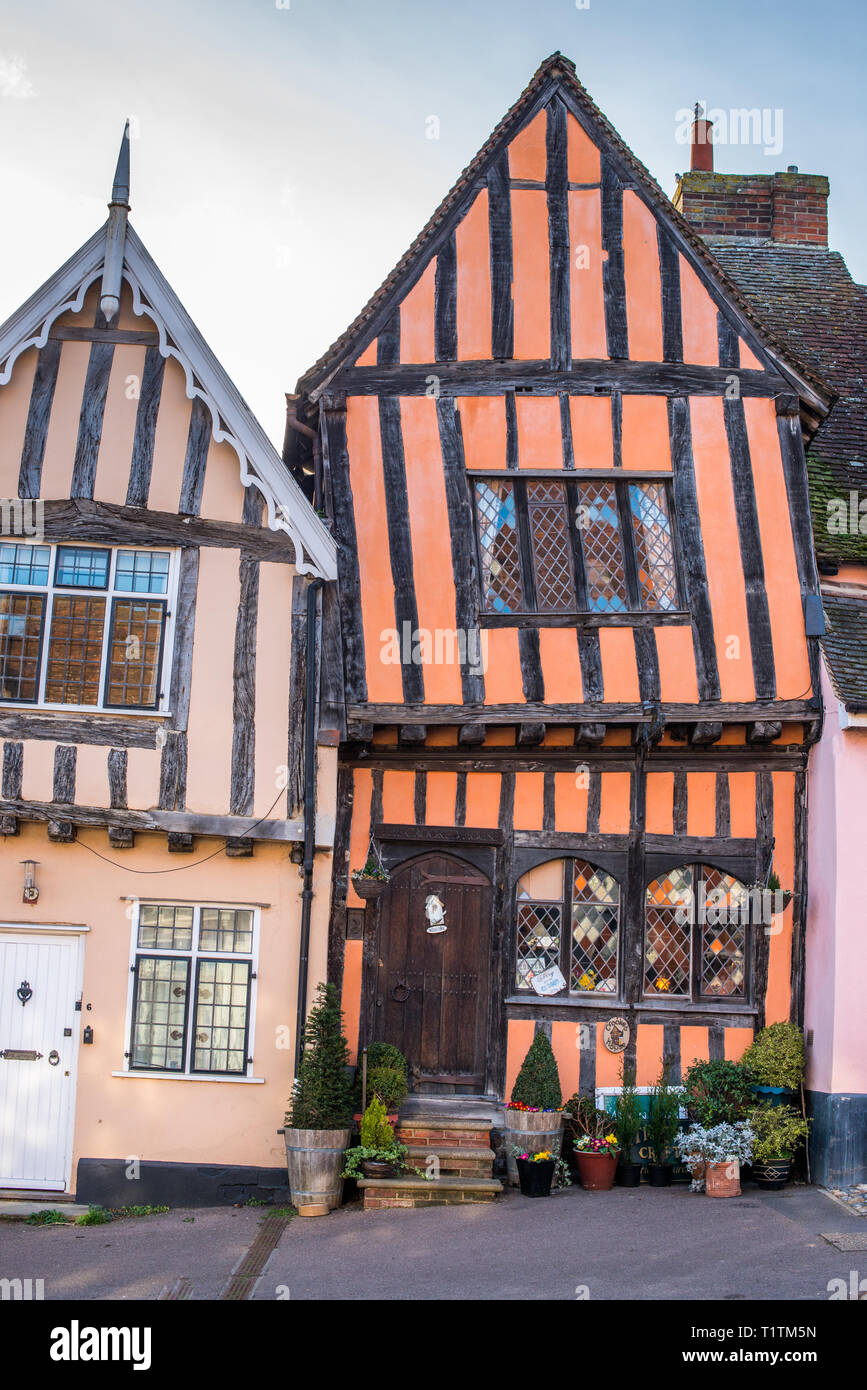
309 813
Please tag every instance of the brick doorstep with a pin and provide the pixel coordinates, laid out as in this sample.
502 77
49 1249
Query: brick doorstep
416 1192
466 1160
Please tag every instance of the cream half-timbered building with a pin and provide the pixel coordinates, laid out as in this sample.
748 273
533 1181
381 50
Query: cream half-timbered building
159 899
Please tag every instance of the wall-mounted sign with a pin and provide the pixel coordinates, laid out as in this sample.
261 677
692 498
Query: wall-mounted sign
615 1034
435 914
548 981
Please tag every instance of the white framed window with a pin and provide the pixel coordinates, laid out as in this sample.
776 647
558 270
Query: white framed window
86 626
192 990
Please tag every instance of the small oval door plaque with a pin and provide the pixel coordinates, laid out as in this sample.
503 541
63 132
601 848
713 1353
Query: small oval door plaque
615 1035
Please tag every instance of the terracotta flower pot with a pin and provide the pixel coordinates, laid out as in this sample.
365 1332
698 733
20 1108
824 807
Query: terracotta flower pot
596 1171
723 1179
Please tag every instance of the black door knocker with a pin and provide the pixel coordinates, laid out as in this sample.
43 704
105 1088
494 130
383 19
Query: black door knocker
53 1058
400 993
24 992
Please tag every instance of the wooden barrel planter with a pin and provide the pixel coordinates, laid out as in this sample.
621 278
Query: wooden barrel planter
530 1131
314 1159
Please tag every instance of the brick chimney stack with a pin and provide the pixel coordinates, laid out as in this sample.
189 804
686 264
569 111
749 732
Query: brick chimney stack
701 145
789 208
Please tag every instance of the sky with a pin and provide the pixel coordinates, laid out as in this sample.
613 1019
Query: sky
282 158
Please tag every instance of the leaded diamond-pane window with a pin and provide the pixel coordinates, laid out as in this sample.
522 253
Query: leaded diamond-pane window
552 547
498 541
193 988
695 934
588 899
654 547
599 524
595 923
539 936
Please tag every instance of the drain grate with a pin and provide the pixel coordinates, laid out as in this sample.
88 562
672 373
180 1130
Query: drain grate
847 1241
243 1278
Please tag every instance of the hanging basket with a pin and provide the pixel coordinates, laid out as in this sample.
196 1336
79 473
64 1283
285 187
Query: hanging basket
369 888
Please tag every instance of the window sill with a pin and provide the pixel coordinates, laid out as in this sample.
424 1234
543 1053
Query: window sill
185 1076
611 1005
669 618
87 711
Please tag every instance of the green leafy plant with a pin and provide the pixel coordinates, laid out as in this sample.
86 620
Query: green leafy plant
395 1154
776 1056
381 1054
717 1092
582 1118
372 869
627 1114
718 1143
537 1085
50 1217
142 1210
663 1117
94 1216
323 1094
376 1132
389 1085
779 1131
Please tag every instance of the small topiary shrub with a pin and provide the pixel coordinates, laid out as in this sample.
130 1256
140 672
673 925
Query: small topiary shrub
380 1054
389 1085
627 1114
376 1132
776 1056
537 1086
323 1094
663 1118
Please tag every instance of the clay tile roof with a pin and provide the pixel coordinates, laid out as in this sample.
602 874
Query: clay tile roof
555 69
845 648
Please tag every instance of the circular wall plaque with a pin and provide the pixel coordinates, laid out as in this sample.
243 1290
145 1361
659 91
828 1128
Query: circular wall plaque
615 1034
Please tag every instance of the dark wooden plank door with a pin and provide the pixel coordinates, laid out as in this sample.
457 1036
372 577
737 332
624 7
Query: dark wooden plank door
432 989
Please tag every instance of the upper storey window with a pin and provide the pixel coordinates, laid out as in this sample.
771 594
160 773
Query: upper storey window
84 626
552 546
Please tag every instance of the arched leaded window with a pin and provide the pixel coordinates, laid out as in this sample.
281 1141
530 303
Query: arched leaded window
568 915
695 934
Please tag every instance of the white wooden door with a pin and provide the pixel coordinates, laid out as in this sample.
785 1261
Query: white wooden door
40 979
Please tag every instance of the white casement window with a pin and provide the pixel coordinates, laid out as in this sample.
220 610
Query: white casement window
86 626
192 989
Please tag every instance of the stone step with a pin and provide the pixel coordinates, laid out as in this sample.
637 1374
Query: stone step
418 1192
468 1161
444 1133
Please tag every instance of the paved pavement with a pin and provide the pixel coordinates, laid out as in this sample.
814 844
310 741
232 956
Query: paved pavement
659 1244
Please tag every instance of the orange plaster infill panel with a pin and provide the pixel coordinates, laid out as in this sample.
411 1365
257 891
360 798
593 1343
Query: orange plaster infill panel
368 357
736 1041
699 316
570 801
503 684
778 997
529 795
614 811
540 435
519 1035
648 1053
483 426
118 424
561 667
678 678
531 274
619 667
350 999
791 659
359 836
473 251
558 737
748 358
592 437
483 799
398 798
742 802
566 1046
587 300
417 319
701 803
440 798
384 684
63 423
645 439
429 527
502 737
660 803
528 157
725 574
693 1047
641 271
608 1064
581 153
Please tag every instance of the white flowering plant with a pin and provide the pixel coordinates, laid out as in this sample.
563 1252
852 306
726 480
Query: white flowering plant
719 1144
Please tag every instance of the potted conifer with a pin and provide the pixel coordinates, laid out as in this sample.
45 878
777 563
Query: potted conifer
534 1115
627 1123
318 1126
662 1125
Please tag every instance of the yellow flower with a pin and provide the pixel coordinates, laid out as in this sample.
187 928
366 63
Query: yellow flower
662 983
611 1138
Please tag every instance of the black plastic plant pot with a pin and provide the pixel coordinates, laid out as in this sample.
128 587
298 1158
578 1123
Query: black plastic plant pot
535 1178
773 1175
660 1174
628 1174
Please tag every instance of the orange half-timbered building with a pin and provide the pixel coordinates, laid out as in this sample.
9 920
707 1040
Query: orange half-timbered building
568 655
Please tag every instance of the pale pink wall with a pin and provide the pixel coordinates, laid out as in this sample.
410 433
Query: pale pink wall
836 945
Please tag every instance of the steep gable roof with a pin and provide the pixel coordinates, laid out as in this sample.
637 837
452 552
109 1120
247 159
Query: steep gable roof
233 422
845 648
557 74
